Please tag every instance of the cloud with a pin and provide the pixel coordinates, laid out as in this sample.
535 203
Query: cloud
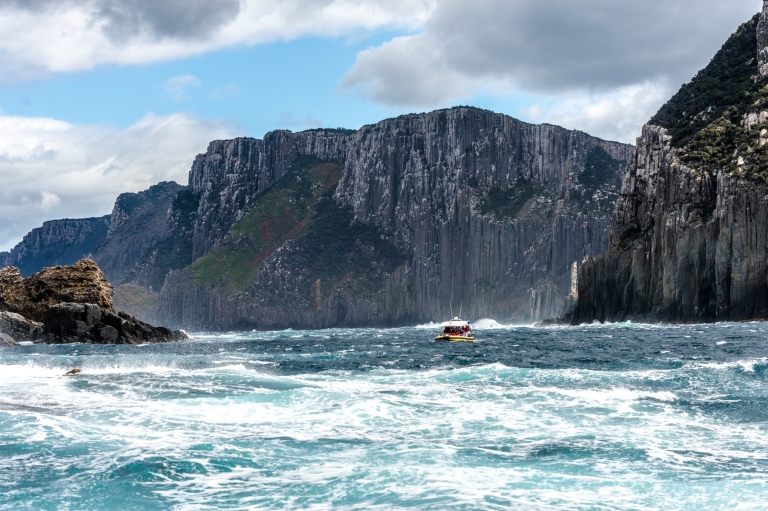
44 36
226 92
287 120
183 19
617 115
53 169
178 85
545 45
584 54
48 201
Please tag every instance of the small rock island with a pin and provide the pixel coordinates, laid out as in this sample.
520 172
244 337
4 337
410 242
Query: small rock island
67 304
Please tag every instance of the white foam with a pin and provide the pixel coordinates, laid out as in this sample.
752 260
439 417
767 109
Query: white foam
482 437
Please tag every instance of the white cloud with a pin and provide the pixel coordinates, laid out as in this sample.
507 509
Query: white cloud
52 169
587 56
226 92
617 115
48 201
288 121
43 36
178 85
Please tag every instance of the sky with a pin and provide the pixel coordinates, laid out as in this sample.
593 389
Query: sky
102 97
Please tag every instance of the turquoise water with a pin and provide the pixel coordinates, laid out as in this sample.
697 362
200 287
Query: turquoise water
598 417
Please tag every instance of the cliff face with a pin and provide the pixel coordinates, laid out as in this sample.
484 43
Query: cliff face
138 222
690 232
58 242
394 223
231 175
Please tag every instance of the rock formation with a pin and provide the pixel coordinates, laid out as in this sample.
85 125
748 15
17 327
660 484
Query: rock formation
18 328
81 283
396 223
68 304
138 222
689 238
58 242
77 322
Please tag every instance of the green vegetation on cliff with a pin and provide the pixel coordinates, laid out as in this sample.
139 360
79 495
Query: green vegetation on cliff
337 246
726 87
707 117
282 213
599 169
505 203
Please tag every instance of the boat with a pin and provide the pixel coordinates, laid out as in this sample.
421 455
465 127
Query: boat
456 330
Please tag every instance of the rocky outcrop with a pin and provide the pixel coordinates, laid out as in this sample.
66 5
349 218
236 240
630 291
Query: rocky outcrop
58 242
82 282
459 206
689 236
88 323
69 304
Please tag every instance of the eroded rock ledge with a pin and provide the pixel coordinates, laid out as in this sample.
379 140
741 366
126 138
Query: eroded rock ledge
67 304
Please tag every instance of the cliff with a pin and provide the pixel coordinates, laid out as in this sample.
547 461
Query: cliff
138 222
394 223
58 242
689 238
398 222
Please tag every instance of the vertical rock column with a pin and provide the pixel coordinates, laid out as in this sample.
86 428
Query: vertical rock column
762 41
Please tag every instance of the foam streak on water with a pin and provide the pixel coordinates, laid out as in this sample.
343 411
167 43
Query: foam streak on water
599 417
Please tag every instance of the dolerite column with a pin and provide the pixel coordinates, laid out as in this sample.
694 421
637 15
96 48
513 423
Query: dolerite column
762 41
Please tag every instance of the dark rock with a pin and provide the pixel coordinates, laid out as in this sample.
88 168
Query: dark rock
138 222
88 323
20 328
689 238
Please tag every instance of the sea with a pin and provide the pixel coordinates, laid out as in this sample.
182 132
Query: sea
599 417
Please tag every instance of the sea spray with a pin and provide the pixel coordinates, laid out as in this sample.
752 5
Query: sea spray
620 416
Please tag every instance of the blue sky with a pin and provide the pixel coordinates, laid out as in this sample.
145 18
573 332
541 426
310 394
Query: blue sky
100 97
255 88
280 85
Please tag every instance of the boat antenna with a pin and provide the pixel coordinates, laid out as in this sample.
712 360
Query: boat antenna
451 308
460 308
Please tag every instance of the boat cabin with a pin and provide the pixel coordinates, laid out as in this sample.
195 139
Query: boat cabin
456 330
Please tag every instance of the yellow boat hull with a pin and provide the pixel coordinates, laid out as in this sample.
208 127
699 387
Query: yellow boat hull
454 338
